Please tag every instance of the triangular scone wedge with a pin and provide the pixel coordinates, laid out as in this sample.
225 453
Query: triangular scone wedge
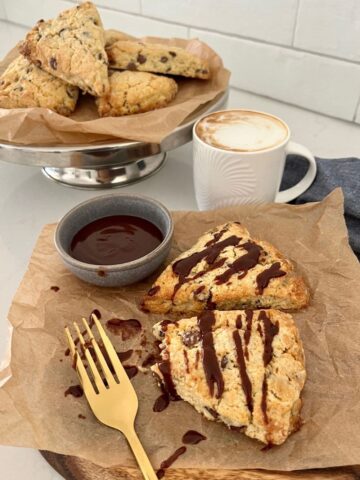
243 368
226 270
24 85
71 47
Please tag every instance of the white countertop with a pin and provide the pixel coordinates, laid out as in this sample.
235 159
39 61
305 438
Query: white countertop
28 201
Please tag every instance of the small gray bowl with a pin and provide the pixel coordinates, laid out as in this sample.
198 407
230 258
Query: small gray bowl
104 206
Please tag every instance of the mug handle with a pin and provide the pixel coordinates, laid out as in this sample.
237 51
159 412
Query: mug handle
291 193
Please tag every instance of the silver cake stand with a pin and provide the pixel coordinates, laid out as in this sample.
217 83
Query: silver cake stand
106 164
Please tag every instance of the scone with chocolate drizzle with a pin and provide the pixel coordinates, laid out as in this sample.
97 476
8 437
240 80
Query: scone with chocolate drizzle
227 269
243 368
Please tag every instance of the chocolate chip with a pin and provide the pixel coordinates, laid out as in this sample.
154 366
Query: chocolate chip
41 20
164 59
141 59
173 54
224 361
191 338
53 63
99 56
38 63
131 66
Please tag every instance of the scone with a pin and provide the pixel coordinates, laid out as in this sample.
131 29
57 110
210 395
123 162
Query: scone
135 92
243 368
156 58
24 85
112 36
227 270
71 47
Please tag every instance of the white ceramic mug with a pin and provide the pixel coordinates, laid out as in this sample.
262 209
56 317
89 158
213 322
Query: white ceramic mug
223 177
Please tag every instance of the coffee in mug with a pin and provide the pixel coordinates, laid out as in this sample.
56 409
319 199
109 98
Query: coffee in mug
242 131
239 157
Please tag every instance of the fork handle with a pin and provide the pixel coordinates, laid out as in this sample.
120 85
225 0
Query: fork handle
140 455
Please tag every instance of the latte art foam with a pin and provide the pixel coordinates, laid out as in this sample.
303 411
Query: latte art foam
242 131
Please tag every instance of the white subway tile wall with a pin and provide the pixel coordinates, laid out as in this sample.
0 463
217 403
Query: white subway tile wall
331 27
246 18
302 52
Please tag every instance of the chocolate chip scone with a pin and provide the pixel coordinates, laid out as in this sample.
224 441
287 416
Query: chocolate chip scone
135 92
23 85
71 47
156 58
112 36
227 269
243 368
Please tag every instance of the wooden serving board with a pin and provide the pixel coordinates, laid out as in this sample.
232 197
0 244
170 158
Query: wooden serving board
74 468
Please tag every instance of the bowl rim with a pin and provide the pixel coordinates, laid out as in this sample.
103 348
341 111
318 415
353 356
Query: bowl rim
117 266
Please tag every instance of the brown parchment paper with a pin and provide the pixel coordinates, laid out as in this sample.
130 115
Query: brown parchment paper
35 413
40 126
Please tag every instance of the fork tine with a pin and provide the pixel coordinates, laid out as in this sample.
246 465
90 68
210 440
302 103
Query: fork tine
81 371
119 369
71 343
94 370
108 375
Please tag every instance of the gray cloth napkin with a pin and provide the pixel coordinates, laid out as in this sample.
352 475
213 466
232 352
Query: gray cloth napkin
344 173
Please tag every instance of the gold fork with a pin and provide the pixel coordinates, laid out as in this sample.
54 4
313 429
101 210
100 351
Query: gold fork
116 403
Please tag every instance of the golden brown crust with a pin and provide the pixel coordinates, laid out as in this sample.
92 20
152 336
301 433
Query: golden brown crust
269 417
71 47
156 58
204 290
23 85
136 92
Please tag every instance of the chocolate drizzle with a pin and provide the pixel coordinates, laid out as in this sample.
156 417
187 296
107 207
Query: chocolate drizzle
264 400
161 403
245 380
124 355
74 390
197 358
216 237
169 461
270 331
210 305
97 315
153 290
191 437
186 359
165 369
263 279
210 362
182 268
242 264
131 370
238 322
247 334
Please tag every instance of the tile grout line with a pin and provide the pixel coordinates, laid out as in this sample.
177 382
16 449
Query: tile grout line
283 102
357 107
296 23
